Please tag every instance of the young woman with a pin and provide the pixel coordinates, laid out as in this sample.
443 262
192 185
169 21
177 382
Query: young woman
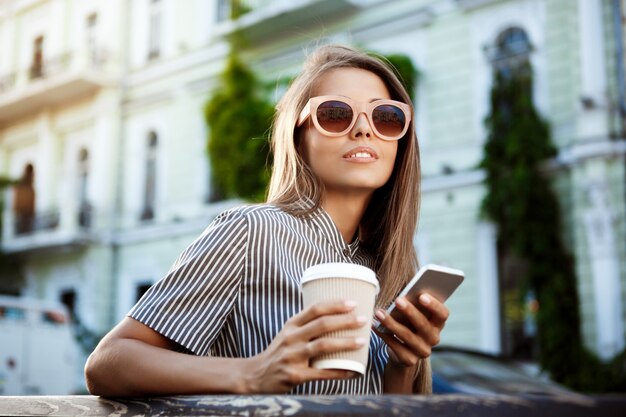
228 317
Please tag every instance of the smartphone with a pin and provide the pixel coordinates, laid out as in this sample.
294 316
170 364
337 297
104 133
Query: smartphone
438 281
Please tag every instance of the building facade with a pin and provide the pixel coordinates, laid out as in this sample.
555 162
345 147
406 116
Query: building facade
101 118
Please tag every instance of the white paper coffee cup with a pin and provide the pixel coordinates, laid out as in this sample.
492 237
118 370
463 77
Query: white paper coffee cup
347 281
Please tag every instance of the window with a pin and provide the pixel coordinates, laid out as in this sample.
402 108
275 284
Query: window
84 208
223 10
150 184
510 58
36 68
154 37
24 202
68 298
91 37
511 51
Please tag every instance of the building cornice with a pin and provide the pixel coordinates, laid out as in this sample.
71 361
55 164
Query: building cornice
157 71
468 5
578 152
566 158
396 24
275 17
452 181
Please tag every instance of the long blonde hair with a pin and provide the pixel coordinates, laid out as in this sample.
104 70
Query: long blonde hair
389 223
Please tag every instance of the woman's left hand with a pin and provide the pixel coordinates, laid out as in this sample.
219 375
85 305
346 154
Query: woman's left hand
408 343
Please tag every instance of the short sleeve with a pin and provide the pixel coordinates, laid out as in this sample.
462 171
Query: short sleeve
192 302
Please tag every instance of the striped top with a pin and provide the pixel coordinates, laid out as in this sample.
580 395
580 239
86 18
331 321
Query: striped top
231 291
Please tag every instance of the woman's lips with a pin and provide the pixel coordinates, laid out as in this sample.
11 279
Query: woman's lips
361 154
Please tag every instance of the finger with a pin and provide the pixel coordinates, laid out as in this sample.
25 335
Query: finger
398 329
413 316
420 341
439 312
403 356
325 345
323 308
425 327
331 323
406 356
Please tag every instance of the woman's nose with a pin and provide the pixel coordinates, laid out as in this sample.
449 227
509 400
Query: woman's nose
362 128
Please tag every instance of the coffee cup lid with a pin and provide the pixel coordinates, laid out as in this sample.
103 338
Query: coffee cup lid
340 270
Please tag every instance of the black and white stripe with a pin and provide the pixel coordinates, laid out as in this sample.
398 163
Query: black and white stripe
230 292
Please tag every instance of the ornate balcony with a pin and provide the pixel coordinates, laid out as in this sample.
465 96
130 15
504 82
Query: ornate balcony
27 224
54 81
47 231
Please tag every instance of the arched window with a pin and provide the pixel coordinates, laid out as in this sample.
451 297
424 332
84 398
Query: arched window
84 207
511 51
510 58
511 96
91 30
150 183
37 66
24 201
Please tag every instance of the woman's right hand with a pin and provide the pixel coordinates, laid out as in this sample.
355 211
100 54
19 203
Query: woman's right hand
285 362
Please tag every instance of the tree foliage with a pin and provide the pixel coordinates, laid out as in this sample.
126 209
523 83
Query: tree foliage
522 203
239 118
409 74
238 8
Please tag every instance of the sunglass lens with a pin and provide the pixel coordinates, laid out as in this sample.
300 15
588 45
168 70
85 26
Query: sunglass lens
389 120
334 116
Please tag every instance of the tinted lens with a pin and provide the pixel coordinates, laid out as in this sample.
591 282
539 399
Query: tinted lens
389 120
334 116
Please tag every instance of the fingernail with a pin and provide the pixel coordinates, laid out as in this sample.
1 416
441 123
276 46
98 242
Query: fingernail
361 319
360 341
425 299
349 303
401 302
380 315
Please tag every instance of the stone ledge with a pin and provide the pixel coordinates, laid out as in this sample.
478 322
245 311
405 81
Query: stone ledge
284 405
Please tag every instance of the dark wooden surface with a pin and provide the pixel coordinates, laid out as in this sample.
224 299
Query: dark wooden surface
282 405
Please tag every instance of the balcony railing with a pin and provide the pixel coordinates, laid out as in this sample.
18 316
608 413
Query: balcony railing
7 82
54 81
27 224
95 59
50 67
49 230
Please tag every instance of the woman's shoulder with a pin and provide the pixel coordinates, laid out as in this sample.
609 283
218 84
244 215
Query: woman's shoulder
243 221
255 213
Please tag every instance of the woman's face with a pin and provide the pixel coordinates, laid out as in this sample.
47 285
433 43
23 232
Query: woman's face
359 161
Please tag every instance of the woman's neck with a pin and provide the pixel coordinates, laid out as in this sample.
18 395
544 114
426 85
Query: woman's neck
346 211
